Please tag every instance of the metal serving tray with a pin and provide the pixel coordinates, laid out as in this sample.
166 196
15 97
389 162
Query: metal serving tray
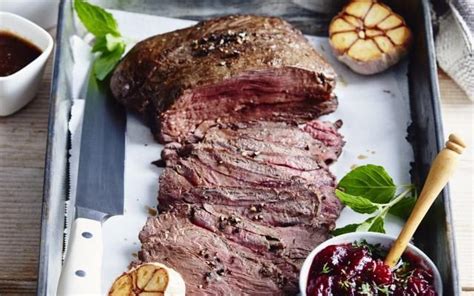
435 236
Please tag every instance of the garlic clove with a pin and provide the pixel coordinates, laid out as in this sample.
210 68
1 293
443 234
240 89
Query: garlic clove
158 282
358 9
149 279
143 275
376 14
122 286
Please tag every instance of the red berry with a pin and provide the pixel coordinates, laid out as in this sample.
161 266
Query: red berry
331 257
381 273
357 261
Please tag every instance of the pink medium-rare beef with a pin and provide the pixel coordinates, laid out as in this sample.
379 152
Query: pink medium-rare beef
228 255
315 141
211 264
225 67
296 204
257 193
244 164
292 243
292 113
256 153
210 165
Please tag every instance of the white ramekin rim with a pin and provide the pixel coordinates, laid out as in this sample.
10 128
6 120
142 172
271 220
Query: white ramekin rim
34 27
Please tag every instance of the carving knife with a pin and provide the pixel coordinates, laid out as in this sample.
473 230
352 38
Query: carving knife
99 190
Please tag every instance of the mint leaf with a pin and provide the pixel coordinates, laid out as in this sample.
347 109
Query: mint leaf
105 63
113 42
100 44
403 208
369 181
346 229
357 203
108 42
96 20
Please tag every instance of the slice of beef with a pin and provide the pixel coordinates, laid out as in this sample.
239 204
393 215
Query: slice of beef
296 204
282 141
237 66
226 256
271 154
210 165
292 243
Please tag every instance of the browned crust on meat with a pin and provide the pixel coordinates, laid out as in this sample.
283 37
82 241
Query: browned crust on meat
158 70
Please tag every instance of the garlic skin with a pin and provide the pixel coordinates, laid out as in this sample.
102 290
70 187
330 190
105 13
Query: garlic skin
149 279
369 37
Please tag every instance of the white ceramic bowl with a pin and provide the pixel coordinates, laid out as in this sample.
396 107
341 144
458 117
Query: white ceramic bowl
384 240
17 89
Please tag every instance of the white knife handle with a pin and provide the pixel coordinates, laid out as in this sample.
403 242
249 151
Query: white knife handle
82 269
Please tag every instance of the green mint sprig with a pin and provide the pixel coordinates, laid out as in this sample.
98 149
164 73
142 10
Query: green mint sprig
369 189
109 43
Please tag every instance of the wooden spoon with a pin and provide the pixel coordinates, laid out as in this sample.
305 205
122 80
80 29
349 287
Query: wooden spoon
441 170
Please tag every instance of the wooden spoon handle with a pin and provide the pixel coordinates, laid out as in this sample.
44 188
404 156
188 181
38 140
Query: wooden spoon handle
441 170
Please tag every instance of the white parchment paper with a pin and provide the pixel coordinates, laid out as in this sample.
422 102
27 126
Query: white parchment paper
374 109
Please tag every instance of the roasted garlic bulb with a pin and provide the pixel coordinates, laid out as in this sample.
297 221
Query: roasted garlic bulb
368 36
149 279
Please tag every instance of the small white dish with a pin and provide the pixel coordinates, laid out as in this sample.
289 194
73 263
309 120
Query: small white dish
19 88
384 240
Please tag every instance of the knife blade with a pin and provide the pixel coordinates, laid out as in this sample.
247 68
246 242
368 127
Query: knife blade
99 189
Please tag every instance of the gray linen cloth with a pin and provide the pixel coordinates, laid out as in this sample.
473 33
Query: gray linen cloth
455 44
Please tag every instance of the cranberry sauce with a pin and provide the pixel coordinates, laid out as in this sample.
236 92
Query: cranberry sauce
358 269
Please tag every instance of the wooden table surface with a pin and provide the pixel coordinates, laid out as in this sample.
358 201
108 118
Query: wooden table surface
22 151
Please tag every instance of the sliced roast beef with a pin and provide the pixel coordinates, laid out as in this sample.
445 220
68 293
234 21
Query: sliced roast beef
270 154
258 191
242 206
292 243
227 255
245 67
296 204
209 165
314 141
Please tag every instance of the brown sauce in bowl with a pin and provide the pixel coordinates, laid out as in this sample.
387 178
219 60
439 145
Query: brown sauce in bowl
15 53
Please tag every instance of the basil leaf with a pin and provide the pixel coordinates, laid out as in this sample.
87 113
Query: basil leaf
96 20
357 203
369 181
104 64
346 229
404 207
373 224
378 225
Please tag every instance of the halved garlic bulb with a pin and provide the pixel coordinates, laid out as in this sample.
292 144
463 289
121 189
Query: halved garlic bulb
368 36
149 279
